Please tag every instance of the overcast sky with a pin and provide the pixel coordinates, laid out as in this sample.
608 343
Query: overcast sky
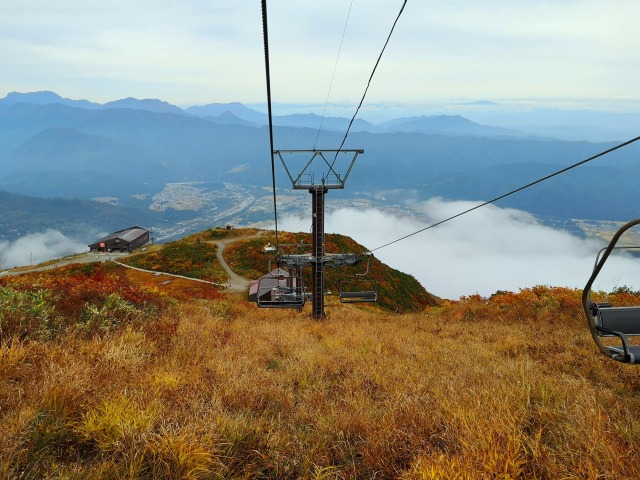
193 52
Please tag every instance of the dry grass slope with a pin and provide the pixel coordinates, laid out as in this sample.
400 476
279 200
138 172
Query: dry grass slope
167 387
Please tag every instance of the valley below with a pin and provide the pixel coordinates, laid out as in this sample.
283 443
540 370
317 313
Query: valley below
76 173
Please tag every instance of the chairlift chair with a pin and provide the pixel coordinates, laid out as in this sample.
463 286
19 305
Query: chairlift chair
280 291
606 320
358 290
361 288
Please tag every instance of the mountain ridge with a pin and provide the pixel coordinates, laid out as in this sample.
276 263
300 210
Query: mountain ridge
436 123
567 124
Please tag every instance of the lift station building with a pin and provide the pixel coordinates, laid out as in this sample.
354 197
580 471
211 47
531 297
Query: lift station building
126 240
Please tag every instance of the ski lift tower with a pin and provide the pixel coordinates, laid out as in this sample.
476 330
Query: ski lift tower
318 176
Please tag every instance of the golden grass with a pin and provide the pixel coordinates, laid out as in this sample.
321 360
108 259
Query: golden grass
504 388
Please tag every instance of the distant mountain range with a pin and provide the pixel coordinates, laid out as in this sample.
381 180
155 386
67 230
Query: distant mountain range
237 113
55 147
548 123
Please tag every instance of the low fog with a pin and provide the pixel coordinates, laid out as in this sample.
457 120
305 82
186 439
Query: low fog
484 251
36 248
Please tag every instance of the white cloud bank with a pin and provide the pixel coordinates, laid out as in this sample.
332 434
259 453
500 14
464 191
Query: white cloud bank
481 252
36 248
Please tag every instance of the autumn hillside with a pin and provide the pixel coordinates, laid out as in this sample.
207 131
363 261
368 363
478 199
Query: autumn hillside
108 372
195 256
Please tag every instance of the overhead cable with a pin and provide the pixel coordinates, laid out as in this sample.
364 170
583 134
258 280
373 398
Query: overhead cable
601 154
268 75
369 82
324 112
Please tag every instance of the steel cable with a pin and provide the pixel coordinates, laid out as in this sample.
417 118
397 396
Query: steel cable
268 75
369 83
601 154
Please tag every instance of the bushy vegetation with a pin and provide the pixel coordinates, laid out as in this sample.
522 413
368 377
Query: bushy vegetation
192 257
504 387
398 292
249 259
90 299
220 233
195 257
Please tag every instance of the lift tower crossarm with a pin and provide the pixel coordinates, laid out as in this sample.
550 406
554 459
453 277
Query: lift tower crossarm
299 182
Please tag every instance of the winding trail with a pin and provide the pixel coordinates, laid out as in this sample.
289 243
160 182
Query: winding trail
237 283
155 272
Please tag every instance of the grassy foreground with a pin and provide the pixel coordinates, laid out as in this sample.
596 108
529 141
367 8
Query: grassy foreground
140 381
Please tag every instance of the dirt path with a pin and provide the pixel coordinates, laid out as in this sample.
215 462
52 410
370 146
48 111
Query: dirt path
166 274
237 283
89 257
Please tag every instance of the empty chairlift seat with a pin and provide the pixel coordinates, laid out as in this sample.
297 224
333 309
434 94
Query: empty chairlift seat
361 288
606 320
358 290
279 289
620 322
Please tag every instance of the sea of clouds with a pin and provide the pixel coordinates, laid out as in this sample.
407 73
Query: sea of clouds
486 250
38 247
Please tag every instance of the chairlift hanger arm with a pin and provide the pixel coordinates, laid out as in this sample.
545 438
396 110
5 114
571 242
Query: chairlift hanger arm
634 247
607 252
366 272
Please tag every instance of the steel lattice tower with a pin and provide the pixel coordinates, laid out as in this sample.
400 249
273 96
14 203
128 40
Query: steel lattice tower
330 179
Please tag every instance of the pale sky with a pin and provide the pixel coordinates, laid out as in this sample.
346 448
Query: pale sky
194 52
